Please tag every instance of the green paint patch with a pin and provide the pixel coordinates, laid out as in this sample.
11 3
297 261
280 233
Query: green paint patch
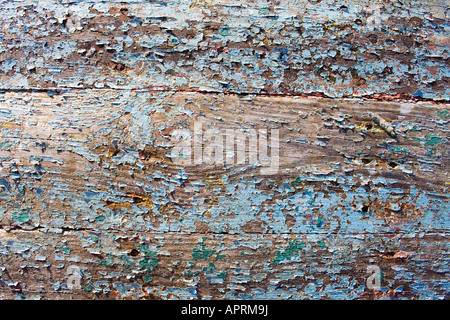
432 139
292 250
210 270
87 288
189 273
129 263
21 217
430 151
224 30
222 275
319 222
5 146
264 11
443 114
399 149
147 278
97 241
321 244
108 261
66 249
220 256
296 181
150 260
35 160
200 251
99 218
148 263
125 258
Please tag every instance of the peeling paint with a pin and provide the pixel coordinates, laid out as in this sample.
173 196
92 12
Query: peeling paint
95 96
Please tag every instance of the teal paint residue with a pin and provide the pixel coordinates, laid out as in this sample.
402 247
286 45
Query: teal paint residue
430 151
5 146
66 249
96 240
263 11
108 261
150 260
87 288
35 160
222 275
224 30
21 217
220 256
398 149
432 139
149 263
293 249
443 114
189 273
319 222
201 252
127 261
99 218
322 244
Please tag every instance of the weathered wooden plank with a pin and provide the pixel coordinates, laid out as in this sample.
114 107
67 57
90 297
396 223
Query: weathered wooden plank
335 48
140 265
118 172
346 194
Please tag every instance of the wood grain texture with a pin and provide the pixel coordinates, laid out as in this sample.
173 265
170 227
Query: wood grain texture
336 48
94 99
